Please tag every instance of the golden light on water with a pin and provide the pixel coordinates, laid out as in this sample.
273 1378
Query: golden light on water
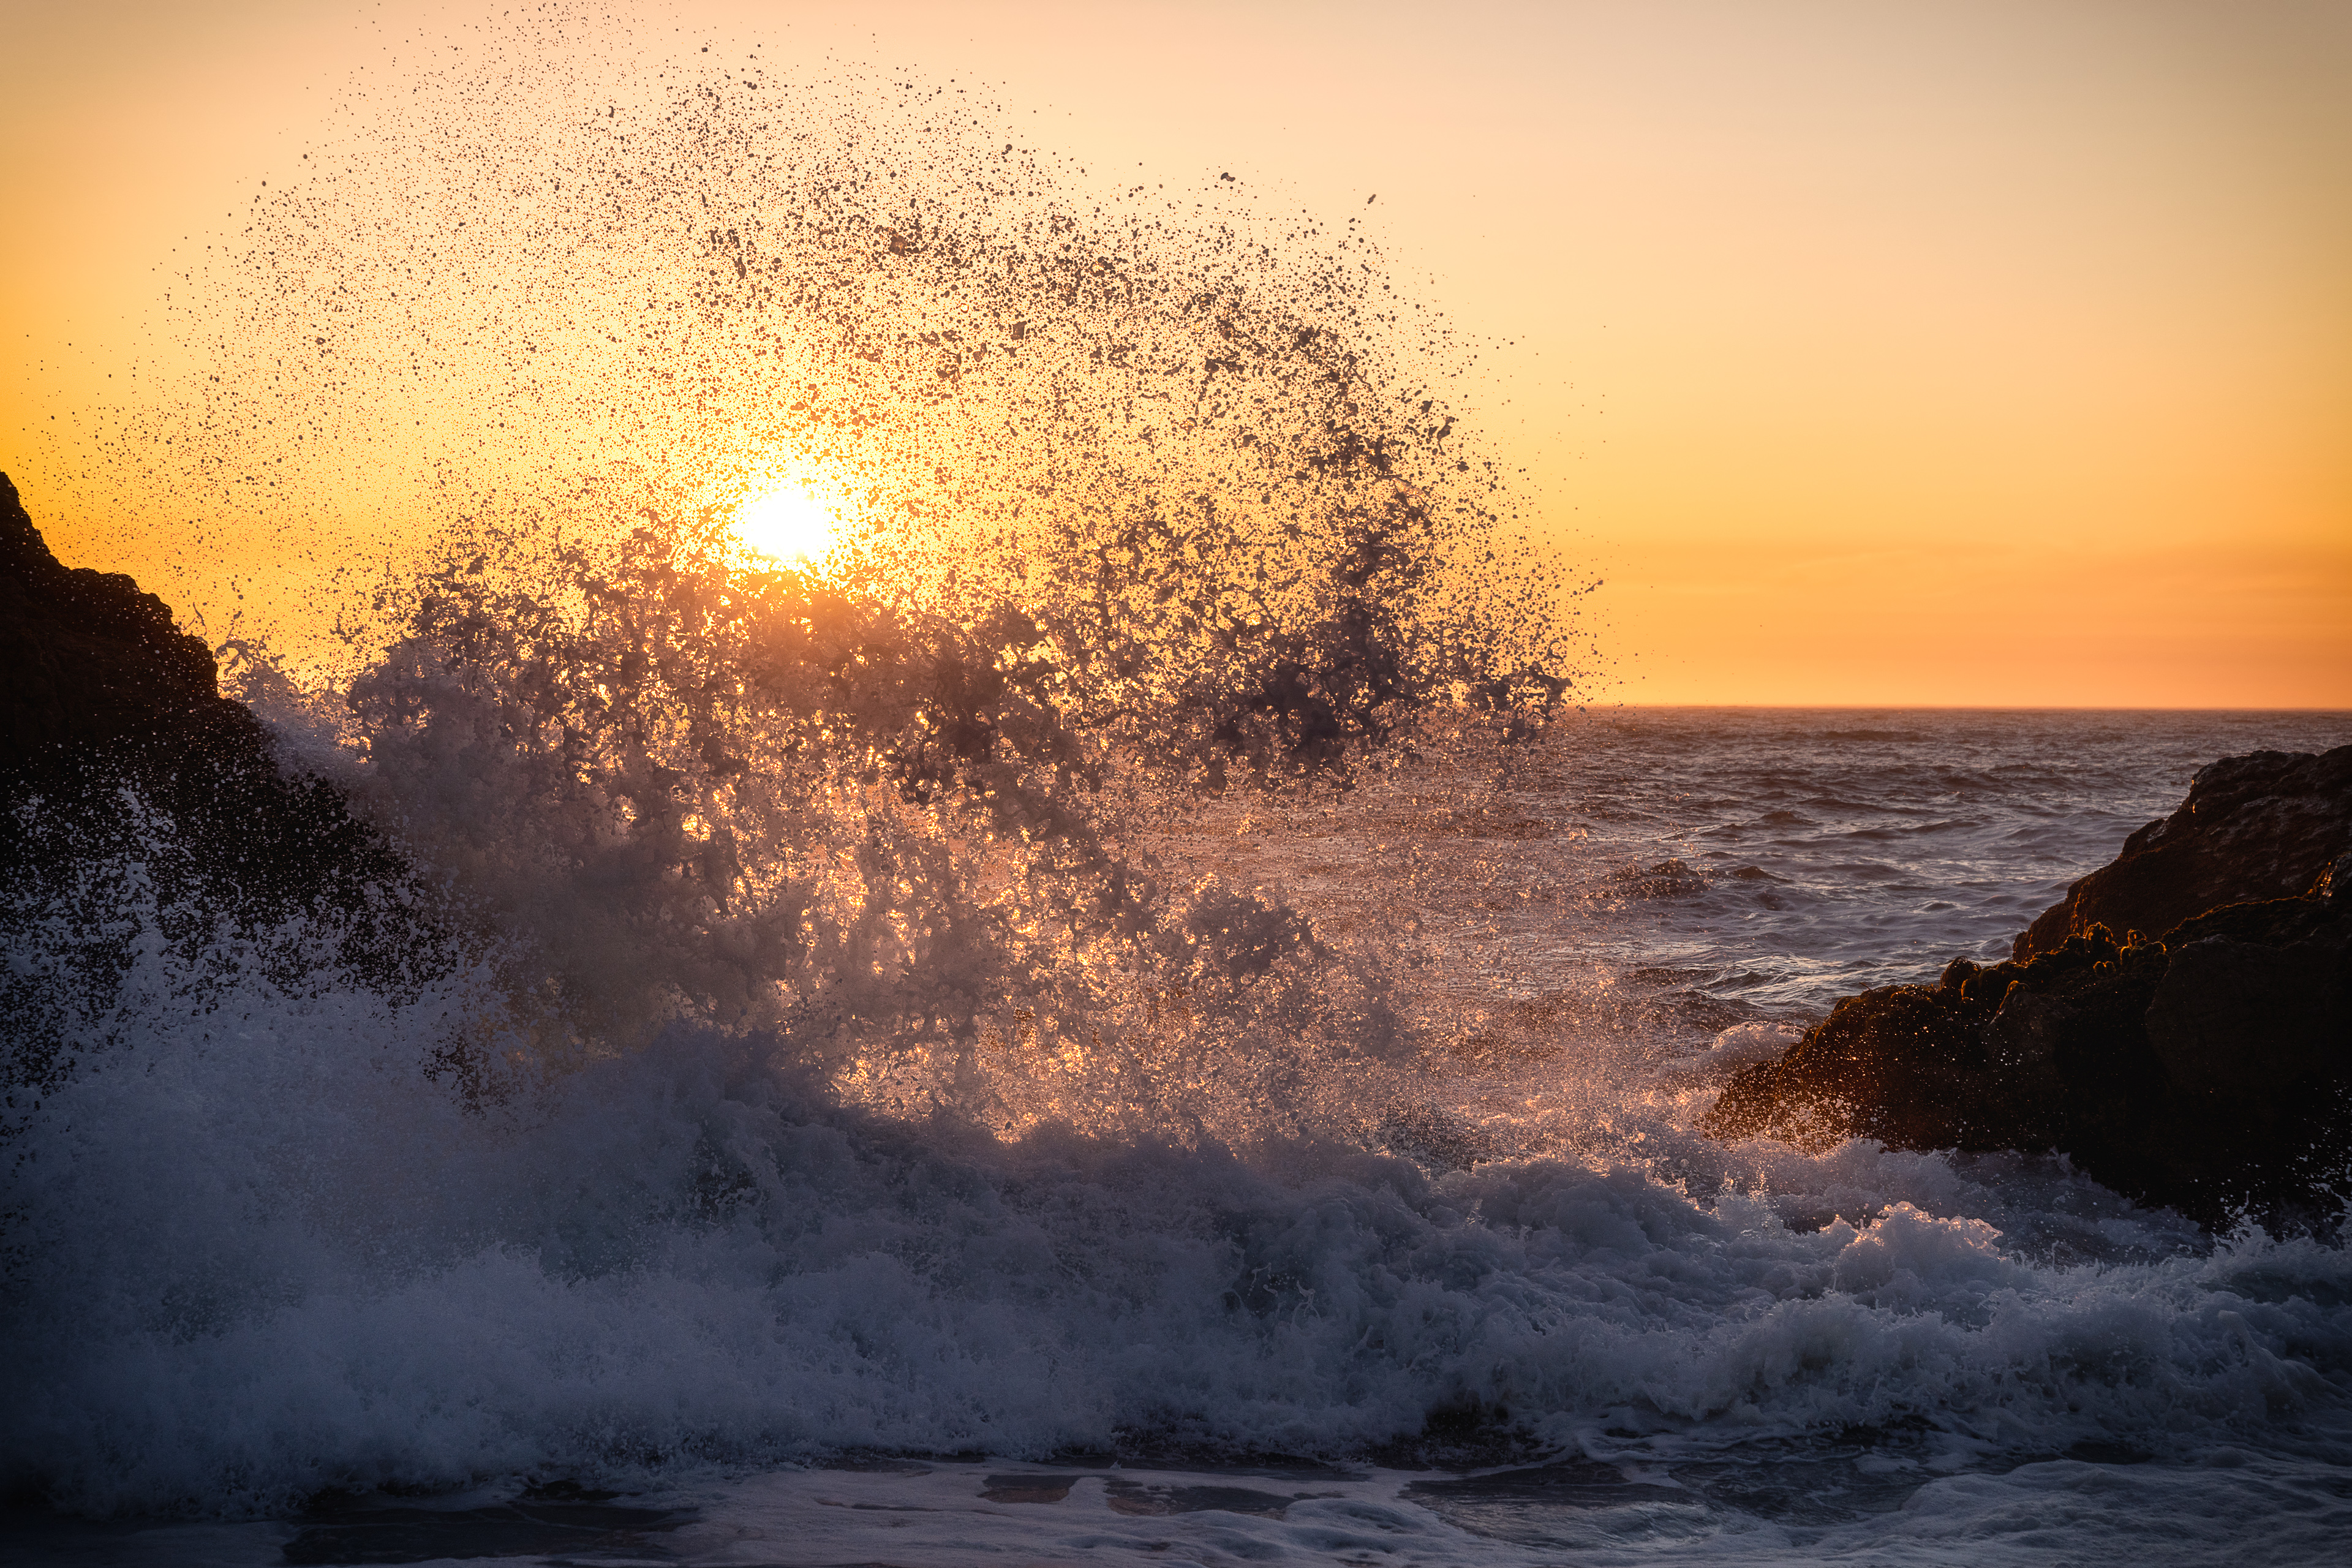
788 524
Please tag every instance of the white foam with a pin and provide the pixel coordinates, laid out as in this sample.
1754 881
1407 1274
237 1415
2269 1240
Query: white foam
265 1253
1753 1042
263 1241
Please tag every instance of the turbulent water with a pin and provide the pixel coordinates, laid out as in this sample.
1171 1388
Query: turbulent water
1126 1013
265 1261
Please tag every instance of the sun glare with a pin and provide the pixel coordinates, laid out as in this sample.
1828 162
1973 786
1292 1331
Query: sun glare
788 524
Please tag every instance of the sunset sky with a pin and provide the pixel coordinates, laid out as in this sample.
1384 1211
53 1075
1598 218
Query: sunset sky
1909 353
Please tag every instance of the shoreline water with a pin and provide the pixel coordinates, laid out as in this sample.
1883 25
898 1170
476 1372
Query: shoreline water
1917 1288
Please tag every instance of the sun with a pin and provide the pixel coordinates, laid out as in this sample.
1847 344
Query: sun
788 524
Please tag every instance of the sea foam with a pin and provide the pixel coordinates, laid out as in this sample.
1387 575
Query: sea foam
263 1250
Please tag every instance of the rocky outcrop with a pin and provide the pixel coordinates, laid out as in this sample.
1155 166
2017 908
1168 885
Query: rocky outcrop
95 666
2258 826
120 752
105 694
2207 1068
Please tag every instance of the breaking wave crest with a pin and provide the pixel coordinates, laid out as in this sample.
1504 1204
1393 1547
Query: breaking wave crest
262 1244
793 1025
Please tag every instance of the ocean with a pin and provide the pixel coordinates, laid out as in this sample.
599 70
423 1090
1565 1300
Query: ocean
1083 1019
1402 1249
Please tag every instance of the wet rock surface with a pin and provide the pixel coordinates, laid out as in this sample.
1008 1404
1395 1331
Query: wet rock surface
122 759
2262 825
95 667
2207 1068
110 697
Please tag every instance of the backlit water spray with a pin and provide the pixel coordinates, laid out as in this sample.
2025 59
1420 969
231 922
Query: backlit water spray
997 860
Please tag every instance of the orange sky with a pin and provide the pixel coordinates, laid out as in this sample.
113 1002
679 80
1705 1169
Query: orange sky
1874 352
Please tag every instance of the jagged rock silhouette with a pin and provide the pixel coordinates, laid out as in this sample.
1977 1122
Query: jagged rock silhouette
2207 1068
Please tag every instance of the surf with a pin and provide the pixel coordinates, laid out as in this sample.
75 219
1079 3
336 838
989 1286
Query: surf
1057 973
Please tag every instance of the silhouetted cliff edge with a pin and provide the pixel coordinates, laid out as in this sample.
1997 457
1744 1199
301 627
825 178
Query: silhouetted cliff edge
2207 1067
102 692
118 751
2263 826
95 667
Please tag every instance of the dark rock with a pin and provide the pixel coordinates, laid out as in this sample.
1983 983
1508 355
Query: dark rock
92 662
2207 1070
2258 826
125 769
2235 1017
107 696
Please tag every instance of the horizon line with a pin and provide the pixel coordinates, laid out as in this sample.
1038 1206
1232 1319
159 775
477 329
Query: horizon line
1975 707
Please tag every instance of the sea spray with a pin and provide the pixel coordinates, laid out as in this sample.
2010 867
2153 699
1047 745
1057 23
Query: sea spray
567 289
262 1243
1141 495
850 1019
275 1255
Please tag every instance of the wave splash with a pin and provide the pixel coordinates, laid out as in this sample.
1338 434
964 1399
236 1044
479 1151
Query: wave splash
807 1045
260 1247
1141 499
